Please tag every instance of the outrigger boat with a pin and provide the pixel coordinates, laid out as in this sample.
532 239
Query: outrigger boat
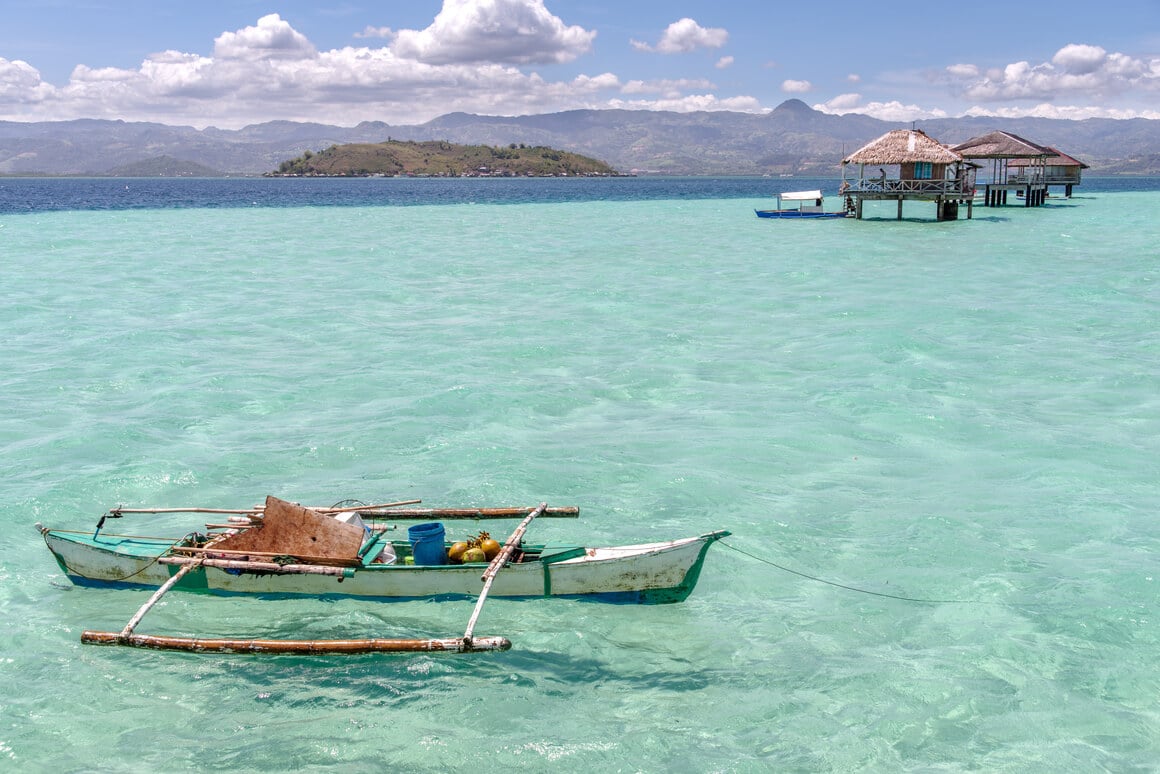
285 549
805 204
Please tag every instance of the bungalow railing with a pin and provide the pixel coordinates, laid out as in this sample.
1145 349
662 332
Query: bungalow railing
878 185
1048 178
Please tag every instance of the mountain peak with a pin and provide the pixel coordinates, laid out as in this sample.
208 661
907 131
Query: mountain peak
793 107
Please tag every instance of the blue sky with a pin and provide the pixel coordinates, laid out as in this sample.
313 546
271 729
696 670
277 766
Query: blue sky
228 64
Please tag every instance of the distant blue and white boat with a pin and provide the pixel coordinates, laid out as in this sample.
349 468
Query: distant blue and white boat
799 204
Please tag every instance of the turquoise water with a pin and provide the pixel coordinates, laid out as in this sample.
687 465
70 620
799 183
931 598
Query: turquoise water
965 415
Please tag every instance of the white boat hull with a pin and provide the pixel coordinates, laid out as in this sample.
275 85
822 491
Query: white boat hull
651 572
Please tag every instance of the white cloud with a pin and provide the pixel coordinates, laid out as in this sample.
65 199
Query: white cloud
691 103
854 78
685 35
269 71
886 111
1075 70
376 32
272 38
1045 110
668 89
723 62
1079 59
843 103
17 74
504 31
20 84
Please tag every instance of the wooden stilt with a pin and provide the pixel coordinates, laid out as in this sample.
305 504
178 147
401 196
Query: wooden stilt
493 569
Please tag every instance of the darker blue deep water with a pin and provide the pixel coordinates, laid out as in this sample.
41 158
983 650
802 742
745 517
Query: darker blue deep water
100 193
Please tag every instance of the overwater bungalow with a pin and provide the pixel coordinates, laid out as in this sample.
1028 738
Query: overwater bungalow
1059 169
1017 165
907 165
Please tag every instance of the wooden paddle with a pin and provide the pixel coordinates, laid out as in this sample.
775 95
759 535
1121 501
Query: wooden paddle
493 569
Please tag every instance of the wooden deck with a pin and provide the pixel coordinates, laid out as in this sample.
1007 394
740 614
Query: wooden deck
947 195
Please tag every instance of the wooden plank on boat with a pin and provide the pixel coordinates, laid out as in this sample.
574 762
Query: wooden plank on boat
301 647
291 530
218 553
265 568
496 564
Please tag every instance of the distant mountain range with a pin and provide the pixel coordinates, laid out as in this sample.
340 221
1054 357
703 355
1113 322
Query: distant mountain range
792 139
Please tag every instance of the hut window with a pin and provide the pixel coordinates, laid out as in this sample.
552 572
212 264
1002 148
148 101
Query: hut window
922 170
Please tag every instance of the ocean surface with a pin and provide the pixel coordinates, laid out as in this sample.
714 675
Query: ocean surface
937 446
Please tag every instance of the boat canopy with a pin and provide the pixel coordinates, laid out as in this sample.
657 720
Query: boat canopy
800 196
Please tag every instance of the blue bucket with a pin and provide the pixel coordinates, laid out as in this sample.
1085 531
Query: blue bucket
427 543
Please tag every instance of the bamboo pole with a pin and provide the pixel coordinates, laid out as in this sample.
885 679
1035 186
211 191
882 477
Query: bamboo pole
257 509
559 512
115 512
350 508
301 647
493 569
157 595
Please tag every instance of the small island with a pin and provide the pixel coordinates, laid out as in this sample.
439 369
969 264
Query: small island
408 158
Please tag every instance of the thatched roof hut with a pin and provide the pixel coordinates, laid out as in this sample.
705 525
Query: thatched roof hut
1057 159
1001 145
926 171
1002 148
902 146
1058 169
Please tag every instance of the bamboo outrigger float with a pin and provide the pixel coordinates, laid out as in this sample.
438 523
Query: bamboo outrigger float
285 549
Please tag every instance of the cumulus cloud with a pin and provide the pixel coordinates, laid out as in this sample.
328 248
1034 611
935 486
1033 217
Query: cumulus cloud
505 31
20 85
375 32
1079 59
1074 112
796 87
270 71
669 89
723 62
683 36
1076 70
692 103
843 103
271 38
886 111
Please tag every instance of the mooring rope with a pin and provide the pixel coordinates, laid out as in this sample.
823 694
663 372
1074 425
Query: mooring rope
854 588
